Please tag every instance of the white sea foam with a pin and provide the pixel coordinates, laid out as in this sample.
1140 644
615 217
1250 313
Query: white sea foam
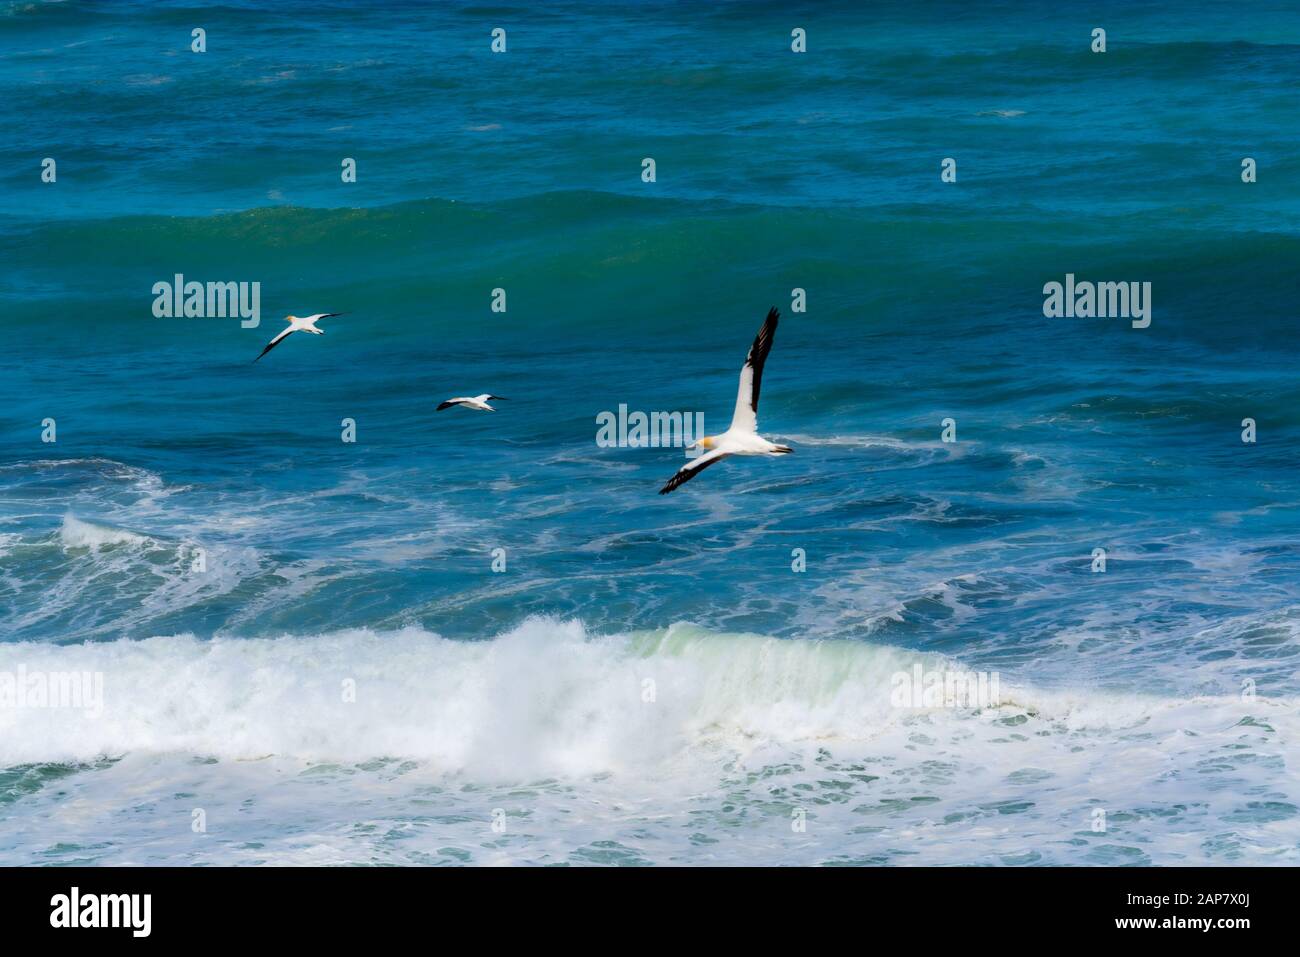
866 441
543 699
76 533
553 725
116 579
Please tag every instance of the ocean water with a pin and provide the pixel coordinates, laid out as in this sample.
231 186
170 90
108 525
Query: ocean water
648 680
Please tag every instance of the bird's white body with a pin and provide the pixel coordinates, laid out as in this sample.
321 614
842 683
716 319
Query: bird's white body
479 402
306 323
742 437
732 442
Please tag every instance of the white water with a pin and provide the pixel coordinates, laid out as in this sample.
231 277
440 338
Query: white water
545 699
76 533
553 728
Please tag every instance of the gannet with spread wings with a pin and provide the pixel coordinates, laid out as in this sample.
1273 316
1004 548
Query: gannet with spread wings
298 324
742 438
479 402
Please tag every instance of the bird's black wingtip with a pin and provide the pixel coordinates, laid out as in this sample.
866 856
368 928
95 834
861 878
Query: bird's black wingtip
773 314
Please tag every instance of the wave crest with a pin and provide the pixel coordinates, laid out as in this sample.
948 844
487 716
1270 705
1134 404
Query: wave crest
544 699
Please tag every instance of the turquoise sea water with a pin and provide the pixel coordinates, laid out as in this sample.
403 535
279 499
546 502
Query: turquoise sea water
1161 692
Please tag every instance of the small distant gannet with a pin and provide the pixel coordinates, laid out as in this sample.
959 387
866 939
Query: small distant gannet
742 438
305 324
479 402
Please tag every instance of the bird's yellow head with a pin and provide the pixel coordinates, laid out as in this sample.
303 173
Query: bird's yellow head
706 442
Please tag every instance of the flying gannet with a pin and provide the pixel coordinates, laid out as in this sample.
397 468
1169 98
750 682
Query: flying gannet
479 402
742 438
296 324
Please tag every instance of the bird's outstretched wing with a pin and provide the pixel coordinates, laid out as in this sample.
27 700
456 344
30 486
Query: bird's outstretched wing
275 342
692 469
448 404
745 418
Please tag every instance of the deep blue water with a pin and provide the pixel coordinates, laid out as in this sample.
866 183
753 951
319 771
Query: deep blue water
775 171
